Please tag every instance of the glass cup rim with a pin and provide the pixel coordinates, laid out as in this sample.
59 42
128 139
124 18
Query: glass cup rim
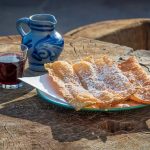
13 48
17 44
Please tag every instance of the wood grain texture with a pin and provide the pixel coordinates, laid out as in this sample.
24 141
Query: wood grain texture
130 32
27 123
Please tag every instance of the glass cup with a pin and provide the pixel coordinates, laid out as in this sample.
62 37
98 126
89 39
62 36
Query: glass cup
12 62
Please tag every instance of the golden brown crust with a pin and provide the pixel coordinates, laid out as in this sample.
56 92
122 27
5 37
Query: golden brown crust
138 76
132 66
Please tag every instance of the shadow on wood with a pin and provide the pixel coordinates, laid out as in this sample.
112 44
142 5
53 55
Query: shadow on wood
68 125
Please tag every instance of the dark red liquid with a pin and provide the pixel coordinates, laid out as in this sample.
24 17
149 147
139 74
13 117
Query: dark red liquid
11 68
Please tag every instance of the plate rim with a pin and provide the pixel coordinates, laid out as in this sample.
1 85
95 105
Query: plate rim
68 106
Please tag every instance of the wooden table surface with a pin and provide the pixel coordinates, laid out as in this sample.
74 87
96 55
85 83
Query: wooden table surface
27 122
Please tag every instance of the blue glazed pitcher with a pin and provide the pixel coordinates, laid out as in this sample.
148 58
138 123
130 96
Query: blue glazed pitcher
44 42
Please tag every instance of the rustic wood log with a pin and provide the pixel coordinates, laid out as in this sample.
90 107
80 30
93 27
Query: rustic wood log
27 122
134 33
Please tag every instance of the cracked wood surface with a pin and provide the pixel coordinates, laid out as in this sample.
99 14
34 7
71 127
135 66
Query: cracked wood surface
28 123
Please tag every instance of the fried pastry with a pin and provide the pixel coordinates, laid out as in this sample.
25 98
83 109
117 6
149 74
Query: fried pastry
67 83
89 81
139 77
135 72
102 83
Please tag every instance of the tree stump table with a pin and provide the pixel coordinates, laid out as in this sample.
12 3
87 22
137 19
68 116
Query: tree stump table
28 123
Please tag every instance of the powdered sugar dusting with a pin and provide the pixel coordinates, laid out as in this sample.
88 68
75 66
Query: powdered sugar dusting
113 78
105 82
90 81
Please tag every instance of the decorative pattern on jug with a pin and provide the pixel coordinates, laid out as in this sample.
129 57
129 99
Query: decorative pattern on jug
47 48
44 42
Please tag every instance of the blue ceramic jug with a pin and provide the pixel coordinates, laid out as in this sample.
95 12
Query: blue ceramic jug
44 42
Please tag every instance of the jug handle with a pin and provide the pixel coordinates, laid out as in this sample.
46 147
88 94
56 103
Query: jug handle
19 23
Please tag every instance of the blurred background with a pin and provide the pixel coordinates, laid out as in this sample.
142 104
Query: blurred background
70 13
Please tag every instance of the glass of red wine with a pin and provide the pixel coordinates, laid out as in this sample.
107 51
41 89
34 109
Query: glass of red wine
12 62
